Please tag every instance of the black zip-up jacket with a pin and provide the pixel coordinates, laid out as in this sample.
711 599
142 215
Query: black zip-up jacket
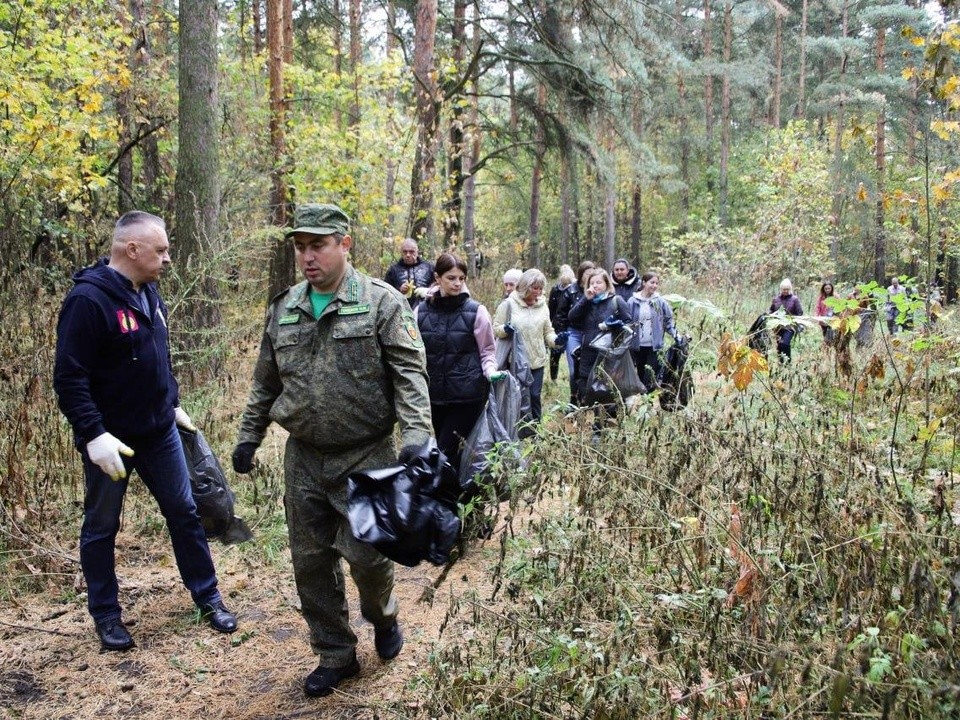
420 274
568 298
113 371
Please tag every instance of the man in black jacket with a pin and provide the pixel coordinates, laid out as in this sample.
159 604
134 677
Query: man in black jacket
411 274
625 279
115 384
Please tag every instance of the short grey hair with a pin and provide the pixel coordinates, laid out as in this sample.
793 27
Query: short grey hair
530 279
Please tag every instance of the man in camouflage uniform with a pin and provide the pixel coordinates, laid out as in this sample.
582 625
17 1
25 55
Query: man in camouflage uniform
341 361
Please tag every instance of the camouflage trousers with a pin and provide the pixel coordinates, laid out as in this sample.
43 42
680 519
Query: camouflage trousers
316 507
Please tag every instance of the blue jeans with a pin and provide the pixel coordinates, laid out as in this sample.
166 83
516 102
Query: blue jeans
160 463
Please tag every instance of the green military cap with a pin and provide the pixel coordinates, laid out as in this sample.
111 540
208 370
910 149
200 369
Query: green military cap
319 219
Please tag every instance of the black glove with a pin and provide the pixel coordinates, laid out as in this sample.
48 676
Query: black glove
509 329
243 457
408 453
561 341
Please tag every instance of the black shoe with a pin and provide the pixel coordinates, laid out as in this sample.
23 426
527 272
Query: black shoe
220 619
113 635
388 641
324 680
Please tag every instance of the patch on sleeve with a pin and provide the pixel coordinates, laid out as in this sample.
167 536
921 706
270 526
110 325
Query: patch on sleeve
410 325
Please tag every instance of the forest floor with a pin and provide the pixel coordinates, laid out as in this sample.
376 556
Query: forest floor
51 665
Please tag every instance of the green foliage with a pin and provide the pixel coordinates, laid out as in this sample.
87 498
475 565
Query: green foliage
783 200
61 64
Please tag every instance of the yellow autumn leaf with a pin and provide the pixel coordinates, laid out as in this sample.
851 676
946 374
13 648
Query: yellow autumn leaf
861 193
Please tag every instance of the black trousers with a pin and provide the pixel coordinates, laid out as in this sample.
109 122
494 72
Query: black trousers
647 362
452 424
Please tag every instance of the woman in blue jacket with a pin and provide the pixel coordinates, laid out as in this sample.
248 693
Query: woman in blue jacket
599 305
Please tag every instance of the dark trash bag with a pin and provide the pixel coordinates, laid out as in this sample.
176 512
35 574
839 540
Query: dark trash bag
676 384
613 376
211 493
758 337
494 437
407 512
511 355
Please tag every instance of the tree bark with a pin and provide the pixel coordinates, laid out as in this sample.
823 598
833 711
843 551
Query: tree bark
282 266
390 182
257 18
801 109
725 121
777 72
198 160
708 78
453 203
879 248
428 114
838 196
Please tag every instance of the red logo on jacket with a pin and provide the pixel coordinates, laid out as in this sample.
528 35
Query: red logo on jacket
127 320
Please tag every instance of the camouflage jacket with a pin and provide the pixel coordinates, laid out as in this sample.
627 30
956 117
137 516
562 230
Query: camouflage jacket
344 380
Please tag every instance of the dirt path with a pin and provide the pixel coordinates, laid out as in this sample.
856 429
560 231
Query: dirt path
51 666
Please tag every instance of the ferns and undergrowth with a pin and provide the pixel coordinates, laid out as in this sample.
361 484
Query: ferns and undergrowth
785 550
785 546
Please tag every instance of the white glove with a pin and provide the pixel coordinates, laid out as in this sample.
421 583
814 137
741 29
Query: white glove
183 420
420 292
104 451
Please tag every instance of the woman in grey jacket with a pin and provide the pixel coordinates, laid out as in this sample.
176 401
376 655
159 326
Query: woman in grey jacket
653 319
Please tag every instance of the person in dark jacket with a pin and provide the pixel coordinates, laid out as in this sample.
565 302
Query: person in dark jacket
559 322
567 301
411 274
600 309
114 383
625 279
790 304
458 338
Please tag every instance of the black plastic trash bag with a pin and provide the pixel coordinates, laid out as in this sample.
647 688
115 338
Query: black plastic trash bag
758 336
407 512
493 440
613 376
214 498
676 384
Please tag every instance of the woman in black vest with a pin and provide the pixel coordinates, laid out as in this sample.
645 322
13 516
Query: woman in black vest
458 338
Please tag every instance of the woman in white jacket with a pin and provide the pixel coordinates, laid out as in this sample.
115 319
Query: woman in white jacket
525 311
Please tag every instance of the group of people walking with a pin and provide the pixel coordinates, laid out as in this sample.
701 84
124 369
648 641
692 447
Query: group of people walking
460 335
344 358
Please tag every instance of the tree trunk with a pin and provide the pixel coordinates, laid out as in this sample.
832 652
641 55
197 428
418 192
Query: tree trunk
610 223
390 182
800 109
636 224
257 17
427 103
132 25
453 204
355 60
777 72
708 78
879 258
725 120
282 265
337 31
839 195
535 178
198 160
